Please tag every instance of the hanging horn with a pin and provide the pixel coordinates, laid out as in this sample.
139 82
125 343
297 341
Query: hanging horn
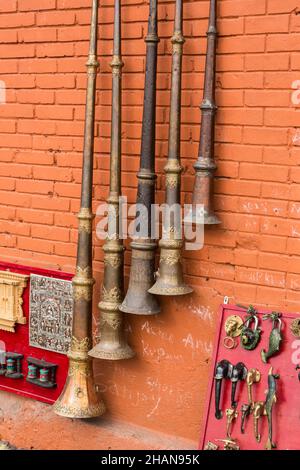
79 398
113 344
170 274
142 272
205 165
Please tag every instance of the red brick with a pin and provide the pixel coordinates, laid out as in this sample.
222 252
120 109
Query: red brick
270 61
267 98
36 5
267 136
36 35
54 112
55 18
37 96
40 187
35 216
278 6
247 7
8 6
241 44
35 245
52 173
50 233
267 24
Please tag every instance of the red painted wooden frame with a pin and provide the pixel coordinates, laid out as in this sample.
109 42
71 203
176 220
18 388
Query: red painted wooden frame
286 412
19 342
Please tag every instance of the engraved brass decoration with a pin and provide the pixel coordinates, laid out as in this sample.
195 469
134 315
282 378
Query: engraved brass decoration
233 327
85 218
12 286
112 342
51 313
211 446
169 278
79 398
229 444
295 327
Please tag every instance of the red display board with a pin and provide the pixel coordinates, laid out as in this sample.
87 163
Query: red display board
18 342
286 412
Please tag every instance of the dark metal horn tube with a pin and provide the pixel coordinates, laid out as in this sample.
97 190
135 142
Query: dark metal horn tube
170 274
79 398
112 343
205 165
138 300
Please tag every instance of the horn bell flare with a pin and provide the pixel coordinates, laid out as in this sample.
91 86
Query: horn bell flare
79 398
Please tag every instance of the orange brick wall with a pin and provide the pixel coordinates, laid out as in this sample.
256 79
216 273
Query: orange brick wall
253 257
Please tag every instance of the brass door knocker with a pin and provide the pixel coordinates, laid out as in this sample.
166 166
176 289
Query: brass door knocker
250 337
233 327
275 336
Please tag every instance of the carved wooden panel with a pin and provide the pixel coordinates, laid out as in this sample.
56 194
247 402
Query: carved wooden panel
12 286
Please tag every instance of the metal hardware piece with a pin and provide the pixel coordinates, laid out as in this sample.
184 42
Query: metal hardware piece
253 376
205 165
41 373
297 368
229 444
231 415
246 411
271 399
238 373
223 371
142 272
258 411
275 338
79 398
169 278
295 327
233 325
250 337
13 365
112 343
211 446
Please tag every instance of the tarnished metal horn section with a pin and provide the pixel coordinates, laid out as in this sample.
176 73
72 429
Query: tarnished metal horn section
205 165
142 273
112 341
170 274
79 398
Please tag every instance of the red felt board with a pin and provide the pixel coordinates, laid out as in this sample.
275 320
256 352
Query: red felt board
19 342
286 412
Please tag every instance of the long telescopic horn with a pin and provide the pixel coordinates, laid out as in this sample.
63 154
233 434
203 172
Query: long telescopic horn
79 398
170 274
142 272
113 344
205 165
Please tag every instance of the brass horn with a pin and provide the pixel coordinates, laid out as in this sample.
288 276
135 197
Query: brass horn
205 165
170 274
79 398
142 273
112 343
